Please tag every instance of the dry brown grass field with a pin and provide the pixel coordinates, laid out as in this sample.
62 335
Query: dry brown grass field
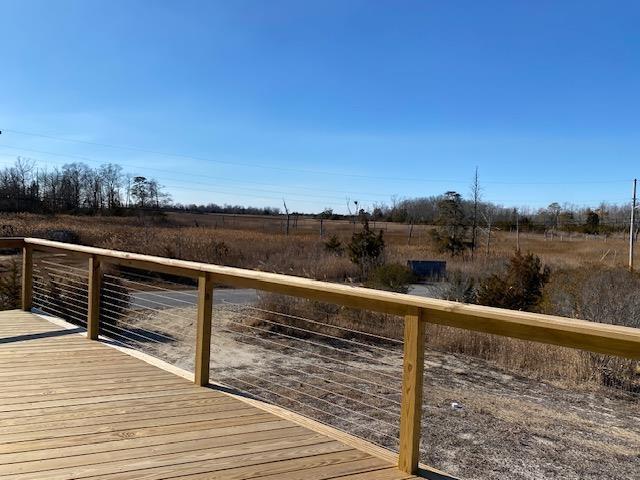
260 242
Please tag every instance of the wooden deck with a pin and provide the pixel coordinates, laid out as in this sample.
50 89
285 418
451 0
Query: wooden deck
72 408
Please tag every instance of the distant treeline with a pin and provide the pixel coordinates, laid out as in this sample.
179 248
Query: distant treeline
228 209
451 207
78 188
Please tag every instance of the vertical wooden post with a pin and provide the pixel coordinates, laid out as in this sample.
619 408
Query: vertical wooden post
203 333
27 278
411 407
93 310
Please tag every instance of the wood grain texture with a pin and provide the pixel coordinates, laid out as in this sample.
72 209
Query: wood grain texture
64 417
203 332
95 284
411 405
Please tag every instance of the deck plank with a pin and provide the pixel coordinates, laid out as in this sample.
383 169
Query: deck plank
72 408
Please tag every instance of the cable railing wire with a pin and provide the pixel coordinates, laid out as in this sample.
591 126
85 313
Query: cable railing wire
141 308
127 341
62 287
47 306
368 417
146 300
83 298
70 267
268 311
325 379
306 405
48 281
115 330
154 279
277 324
57 313
296 317
151 328
310 385
120 321
155 333
314 332
57 276
40 291
319 345
117 317
64 310
60 275
155 294
353 377
305 352
61 279
66 273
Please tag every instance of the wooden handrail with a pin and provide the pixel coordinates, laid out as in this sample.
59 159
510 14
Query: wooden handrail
580 334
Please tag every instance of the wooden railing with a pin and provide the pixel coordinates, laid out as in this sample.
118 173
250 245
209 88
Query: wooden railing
417 311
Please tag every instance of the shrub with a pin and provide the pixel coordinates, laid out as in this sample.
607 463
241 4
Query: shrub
392 277
453 245
219 251
451 218
10 287
366 248
592 224
605 295
462 288
519 288
334 245
62 235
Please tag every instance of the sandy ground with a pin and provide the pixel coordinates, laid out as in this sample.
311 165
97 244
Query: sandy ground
504 425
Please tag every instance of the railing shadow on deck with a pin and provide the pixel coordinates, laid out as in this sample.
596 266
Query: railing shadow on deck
417 312
38 336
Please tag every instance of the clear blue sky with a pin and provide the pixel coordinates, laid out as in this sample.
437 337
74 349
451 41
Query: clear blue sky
360 99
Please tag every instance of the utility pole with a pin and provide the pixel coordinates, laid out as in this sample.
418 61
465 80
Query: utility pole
633 214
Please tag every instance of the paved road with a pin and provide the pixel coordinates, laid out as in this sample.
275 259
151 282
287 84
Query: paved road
429 290
184 298
244 296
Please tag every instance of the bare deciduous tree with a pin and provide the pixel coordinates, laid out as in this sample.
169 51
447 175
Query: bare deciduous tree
475 198
286 211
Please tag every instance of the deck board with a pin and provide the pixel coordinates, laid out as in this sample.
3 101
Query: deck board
71 408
